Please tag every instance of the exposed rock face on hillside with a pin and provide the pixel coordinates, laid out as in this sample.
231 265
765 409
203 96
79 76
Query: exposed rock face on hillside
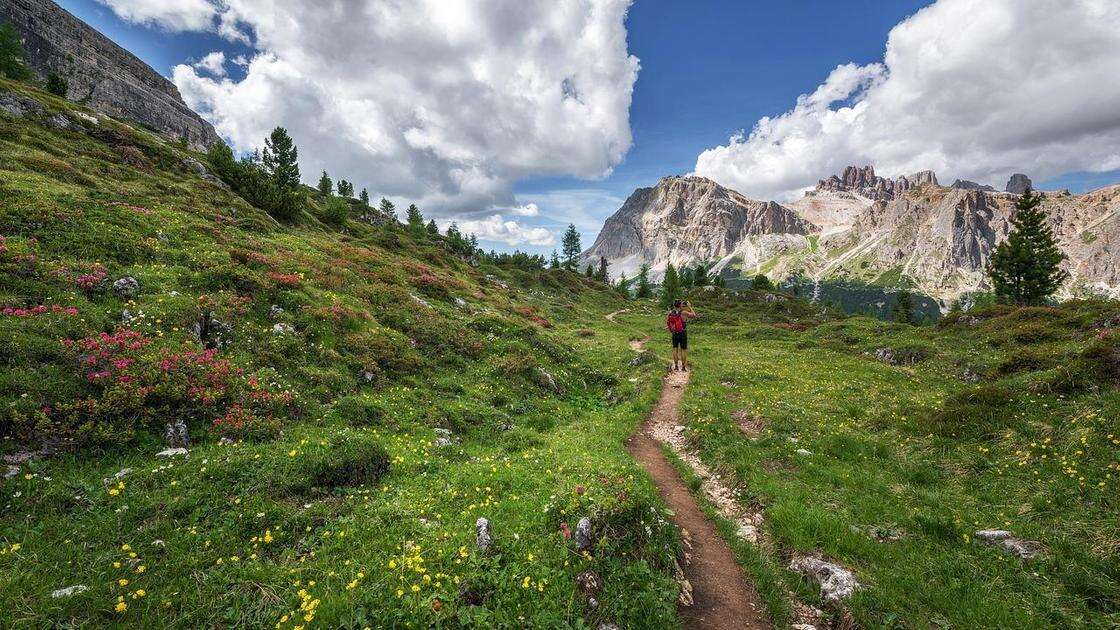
864 182
686 219
102 75
871 229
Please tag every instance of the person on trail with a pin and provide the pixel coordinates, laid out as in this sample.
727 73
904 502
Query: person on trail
677 323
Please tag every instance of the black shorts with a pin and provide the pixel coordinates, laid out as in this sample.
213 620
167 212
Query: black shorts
680 340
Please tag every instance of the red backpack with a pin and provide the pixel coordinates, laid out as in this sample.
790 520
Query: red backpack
675 322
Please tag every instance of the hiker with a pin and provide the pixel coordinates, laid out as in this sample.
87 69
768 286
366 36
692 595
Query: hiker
677 323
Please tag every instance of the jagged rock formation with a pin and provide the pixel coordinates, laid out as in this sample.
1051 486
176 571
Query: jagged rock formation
864 182
968 185
868 229
1018 183
687 219
102 75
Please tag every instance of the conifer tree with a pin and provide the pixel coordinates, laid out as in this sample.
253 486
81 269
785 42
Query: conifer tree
904 307
433 229
326 186
589 271
280 160
644 290
554 263
13 59
1025 268
345 189
570 246
388 210
57 85
761 283
700 275
670 286
364 197
601 274
415 219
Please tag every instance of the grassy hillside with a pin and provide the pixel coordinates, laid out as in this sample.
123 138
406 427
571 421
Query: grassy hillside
998 419
312 367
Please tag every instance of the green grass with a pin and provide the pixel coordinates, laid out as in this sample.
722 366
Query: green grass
892 450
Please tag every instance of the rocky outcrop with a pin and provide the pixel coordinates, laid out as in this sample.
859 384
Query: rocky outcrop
968 185
1018 184
102 75
683 220
864 182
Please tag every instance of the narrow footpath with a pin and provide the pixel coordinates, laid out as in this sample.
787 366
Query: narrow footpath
722 597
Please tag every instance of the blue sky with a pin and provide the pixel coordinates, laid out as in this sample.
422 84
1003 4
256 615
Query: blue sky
708 69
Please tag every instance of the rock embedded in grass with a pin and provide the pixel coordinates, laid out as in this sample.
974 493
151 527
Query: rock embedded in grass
69 591
172 452
836 582
583 534
483 537
126 287
1006 541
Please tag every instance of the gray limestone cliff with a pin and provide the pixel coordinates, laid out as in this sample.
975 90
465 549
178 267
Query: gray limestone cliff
102 75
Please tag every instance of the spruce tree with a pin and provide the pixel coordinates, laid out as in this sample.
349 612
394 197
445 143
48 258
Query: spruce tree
700 275
644 290
345 189
364 197
326 186
570 246
601 275
388 210
554 263
761 283
433 229
670 286
415 219
1025 268
13 59
589 272
904 307
280 160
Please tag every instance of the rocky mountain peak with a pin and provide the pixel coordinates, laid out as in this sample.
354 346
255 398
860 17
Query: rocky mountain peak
102 75
970 185
1018 184
864 182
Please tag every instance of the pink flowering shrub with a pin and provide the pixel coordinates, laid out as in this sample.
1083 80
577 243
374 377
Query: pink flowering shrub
131 382
41 309
92 280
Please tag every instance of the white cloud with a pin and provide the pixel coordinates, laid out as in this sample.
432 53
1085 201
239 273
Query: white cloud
443 103
173 15
525 210
975 90
213 63
497 230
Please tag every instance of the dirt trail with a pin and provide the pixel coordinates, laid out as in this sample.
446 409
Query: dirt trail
722 596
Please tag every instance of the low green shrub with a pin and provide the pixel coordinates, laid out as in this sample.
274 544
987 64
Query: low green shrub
972 413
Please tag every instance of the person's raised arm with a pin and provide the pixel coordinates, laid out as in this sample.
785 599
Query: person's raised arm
690 312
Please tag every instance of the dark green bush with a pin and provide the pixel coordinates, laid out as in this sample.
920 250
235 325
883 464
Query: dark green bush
972 413
361 410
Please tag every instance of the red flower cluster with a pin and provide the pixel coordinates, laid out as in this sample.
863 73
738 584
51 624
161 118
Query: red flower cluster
285 279
41 309
91 280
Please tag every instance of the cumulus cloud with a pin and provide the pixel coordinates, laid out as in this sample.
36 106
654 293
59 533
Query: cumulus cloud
442 103
975 90
173 15
526 210
213 63
495 229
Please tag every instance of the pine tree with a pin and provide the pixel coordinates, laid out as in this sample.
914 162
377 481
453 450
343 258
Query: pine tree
326 186
364 197
700 276
904 307
433 229
589 272
686 276
57 85
670 286
570 247
554 263
473 242
644 290
1025 268
345 189
415 219
13 59
761 283
388 210
280 160
601 275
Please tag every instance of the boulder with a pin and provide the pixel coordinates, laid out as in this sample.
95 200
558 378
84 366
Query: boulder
126 287
176 435
483 536
282 328
836 582
583 534
1007 542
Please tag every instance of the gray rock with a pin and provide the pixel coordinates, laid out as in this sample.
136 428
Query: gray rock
19 106
971 376
1018 184
964 184
804 452
583 534
212 332
126 315
443 437
483 537
606 625
172 452
421 301
58 121
836 582
200 169
642 358
900 356
12 471
176 435
275 311
1006 541
126 287
103 76
282 328
69 590
460 302
120 474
